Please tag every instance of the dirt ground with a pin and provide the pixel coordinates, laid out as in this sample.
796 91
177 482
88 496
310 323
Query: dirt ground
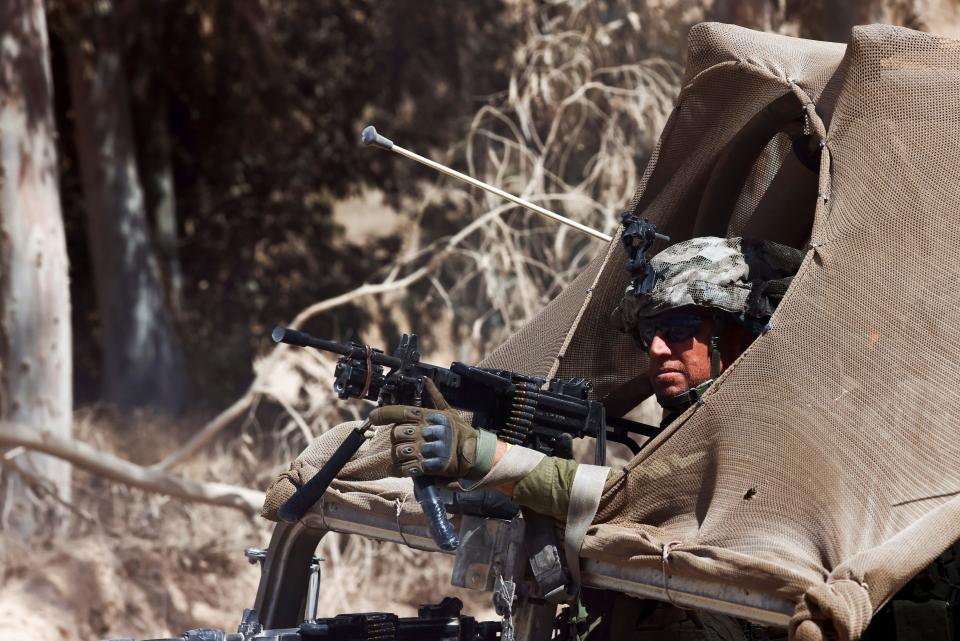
127 564
97 587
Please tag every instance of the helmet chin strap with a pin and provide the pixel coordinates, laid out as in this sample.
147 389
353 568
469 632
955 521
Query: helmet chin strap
680 402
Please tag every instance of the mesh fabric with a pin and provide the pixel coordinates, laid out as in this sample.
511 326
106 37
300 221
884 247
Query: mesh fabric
820 465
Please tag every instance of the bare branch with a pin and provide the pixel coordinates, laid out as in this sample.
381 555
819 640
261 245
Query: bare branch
44 486
294 414
112 467
242 404
222 420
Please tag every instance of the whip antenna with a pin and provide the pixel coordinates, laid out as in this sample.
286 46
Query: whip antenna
369 136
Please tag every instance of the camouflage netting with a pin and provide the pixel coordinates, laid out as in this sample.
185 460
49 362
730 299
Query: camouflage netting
363 483
821 466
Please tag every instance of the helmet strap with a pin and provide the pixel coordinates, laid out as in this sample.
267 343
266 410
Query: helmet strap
715 346
680 402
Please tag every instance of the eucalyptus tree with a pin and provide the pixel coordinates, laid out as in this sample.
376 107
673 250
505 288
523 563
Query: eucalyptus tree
35 342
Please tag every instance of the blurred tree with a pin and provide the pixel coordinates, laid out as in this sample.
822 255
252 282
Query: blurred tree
155 159
766 15
142 363
35 357
833 20
265 101
255 109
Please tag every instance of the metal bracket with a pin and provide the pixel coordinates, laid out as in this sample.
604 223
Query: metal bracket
489 549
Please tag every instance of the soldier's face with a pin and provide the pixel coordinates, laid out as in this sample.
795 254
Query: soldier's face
679 365
680 359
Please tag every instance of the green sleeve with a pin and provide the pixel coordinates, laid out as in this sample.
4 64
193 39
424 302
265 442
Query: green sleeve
546 489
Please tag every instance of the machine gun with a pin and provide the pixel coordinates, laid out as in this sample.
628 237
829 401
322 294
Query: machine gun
441 622
516 407
545 415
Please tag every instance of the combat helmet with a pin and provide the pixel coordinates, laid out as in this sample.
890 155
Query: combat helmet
741 279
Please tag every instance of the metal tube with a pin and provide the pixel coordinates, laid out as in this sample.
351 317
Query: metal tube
371 137
313 591
729 599
645 583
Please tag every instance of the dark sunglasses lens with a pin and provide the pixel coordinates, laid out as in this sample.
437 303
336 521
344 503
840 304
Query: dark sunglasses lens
677 334
643 335
682 327
674 328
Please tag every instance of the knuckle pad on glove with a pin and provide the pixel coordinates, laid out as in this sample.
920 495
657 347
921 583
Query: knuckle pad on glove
438 450
433 464
437 433
404 453
406 468
438 418
403 433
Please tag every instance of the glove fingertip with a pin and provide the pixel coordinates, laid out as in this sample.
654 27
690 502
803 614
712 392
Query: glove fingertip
433 465
387 415
439 402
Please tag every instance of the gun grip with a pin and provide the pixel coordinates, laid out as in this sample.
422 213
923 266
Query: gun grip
441 529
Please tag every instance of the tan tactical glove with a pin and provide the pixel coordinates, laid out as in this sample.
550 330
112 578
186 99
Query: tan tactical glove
435 442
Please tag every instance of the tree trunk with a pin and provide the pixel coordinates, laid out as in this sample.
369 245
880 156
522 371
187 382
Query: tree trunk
156 168
142 363
35 357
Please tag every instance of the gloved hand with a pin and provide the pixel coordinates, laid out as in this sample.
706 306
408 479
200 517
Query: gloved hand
435 442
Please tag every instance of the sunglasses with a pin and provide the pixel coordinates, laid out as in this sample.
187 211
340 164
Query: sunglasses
673 327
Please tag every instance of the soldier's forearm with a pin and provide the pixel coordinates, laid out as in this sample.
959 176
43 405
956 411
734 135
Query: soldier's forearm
546 488
502 447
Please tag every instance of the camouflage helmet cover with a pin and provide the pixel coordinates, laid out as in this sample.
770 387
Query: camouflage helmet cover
743 276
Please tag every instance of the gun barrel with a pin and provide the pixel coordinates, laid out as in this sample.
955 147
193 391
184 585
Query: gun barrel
302 339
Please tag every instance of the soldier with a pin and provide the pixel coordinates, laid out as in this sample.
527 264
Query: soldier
719 292
709 298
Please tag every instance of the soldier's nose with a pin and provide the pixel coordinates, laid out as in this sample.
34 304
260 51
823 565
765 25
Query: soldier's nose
658 347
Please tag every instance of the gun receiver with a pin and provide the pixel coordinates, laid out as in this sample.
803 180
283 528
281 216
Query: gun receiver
541 414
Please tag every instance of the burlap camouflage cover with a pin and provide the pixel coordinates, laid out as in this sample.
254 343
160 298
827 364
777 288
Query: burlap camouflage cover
821 466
